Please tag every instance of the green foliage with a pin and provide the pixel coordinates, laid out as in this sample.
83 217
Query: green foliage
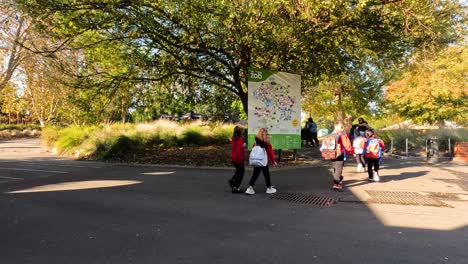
71 137
119 147
210 45
434 90
49 136
194 136
117 140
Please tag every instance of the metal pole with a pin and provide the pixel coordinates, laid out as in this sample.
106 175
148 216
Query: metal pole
391 145
295 155
279 155
406 147
426 145
449 149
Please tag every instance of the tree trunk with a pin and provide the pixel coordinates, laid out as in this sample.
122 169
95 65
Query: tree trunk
244 99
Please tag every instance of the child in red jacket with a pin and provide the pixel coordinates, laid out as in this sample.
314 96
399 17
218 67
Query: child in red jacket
238 159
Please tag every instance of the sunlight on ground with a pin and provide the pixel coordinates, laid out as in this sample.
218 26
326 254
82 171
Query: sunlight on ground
420 217
79 185
159 173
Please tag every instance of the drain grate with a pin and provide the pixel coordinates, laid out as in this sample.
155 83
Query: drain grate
404 198
305 199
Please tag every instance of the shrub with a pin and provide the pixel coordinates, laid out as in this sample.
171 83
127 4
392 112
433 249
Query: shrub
71 137
19 127
49 136
115 141
119 147
194 137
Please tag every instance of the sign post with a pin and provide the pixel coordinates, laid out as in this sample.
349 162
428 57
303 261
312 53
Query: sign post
274 103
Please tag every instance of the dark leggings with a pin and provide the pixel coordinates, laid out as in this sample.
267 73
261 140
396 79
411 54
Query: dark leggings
256 173
314 140
239 174
370 163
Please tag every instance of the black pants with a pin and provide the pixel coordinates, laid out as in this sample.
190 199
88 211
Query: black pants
239 174
314 140
370 163
256 173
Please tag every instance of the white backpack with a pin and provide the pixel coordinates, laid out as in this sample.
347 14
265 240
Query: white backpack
258 157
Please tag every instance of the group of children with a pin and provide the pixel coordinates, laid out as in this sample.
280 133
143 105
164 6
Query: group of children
361 142
336 147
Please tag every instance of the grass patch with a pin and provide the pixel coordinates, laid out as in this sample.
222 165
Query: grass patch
117 141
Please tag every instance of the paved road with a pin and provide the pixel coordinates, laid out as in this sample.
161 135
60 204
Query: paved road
61 211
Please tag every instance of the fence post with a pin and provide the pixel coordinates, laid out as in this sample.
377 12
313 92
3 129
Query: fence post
449 149
391 145
406 147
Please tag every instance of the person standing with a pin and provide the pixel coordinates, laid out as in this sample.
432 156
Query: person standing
311 126
336 147
262 139
362 125
238 159
373 154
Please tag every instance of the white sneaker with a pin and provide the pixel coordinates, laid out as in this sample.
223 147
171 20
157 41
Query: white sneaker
376 176
250 190
359 168
363 169
271 190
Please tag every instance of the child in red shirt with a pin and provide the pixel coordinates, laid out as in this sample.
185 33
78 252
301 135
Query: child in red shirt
238 159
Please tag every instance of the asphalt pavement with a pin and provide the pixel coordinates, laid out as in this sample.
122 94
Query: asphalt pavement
57 210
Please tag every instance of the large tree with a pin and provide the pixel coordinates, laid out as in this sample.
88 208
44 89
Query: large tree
217 41
14 30
435 89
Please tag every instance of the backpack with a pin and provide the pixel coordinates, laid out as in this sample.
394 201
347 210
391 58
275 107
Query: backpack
258 157
373 149
331 148
359 144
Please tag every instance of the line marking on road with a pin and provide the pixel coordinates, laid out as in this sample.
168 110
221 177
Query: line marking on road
10 178
17 169
49 163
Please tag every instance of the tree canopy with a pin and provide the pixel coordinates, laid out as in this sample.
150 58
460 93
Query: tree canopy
217 41
111 58
435 89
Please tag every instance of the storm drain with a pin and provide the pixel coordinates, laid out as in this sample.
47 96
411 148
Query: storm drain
305 199
404 198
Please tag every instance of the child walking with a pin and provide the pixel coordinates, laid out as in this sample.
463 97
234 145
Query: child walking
373 154
238 159
262 140
358 144
335 147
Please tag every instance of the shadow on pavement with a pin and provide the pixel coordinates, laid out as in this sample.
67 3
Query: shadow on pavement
182 215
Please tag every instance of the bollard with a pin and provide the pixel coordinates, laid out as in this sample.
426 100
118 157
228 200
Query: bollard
449 149
391 145
406 147
433 150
